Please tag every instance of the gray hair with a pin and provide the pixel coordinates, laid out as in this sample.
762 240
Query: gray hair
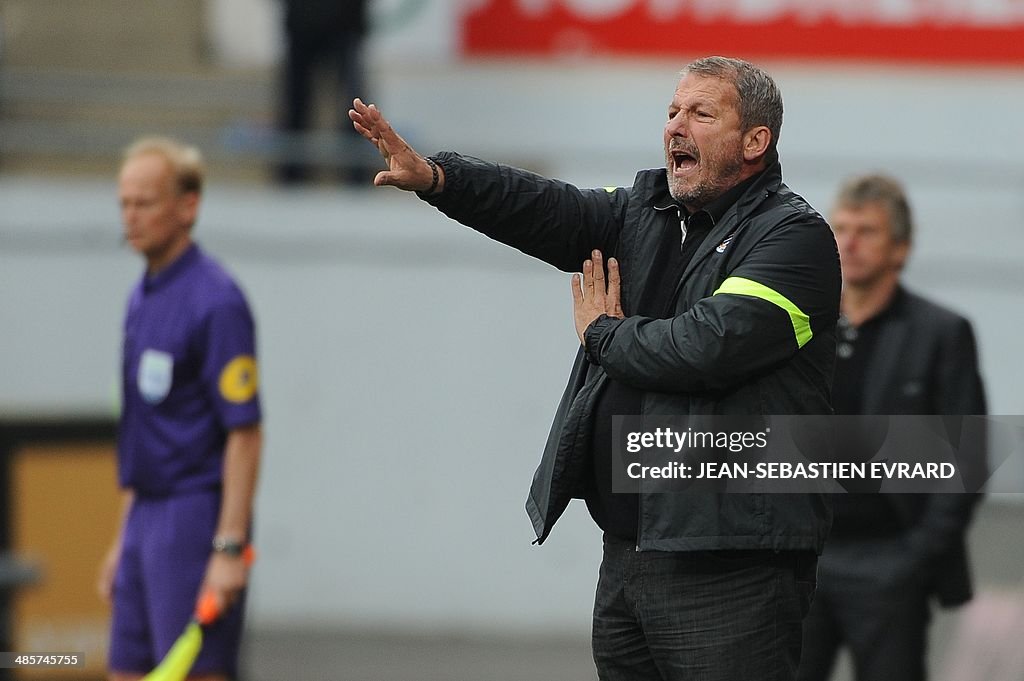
186 161
865 189
759 97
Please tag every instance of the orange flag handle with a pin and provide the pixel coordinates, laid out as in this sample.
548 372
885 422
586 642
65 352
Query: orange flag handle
208 608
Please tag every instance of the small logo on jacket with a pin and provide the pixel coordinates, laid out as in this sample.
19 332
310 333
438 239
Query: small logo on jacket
725 243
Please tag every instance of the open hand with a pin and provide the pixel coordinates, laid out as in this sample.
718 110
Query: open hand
406 169
595 297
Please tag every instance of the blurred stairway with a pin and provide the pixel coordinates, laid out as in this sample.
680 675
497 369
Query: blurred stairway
79 80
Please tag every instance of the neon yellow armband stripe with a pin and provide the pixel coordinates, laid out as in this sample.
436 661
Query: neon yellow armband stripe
748 287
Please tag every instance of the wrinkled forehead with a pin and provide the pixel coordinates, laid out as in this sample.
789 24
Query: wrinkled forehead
860 213
711 89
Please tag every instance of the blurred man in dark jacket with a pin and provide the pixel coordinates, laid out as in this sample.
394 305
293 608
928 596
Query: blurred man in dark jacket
897 354
329 34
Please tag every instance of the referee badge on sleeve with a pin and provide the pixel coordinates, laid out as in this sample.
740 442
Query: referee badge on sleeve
156 373
239 379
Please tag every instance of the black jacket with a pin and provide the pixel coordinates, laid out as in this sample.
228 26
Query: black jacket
317 20
925 362
763 344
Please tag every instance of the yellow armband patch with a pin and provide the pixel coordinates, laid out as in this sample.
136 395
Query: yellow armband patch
239 379
746 287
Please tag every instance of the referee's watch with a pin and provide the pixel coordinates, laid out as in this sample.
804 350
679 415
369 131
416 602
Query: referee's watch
226 545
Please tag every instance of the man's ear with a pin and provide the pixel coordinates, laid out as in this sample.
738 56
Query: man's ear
899 254
188 207
755 143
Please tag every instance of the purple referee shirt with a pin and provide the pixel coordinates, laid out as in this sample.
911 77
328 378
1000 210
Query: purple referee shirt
189 376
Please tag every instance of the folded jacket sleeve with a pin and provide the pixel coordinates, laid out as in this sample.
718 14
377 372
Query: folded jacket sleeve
768 307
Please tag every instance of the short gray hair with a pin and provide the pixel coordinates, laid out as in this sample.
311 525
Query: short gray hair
759 97
186 161
882 189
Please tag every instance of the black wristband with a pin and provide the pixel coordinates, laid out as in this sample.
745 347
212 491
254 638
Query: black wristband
433 180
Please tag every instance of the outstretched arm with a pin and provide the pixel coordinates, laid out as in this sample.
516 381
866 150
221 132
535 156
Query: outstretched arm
548 219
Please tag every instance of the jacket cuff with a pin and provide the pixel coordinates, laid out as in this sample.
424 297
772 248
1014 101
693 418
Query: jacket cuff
594 334
448 162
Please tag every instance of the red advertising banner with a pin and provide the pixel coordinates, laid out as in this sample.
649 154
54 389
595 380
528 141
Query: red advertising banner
943 31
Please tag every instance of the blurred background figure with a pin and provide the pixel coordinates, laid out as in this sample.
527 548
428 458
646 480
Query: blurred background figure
189 440
898 353
322 37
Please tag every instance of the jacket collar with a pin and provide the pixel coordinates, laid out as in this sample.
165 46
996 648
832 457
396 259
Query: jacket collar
764 185
182 263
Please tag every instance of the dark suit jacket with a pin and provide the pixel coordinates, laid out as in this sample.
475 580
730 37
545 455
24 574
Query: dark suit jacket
925 362
319 19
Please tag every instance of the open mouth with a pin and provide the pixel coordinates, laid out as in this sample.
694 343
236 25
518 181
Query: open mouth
683 162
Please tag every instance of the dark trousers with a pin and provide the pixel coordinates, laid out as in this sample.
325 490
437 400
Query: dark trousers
700 615
340 53
870 600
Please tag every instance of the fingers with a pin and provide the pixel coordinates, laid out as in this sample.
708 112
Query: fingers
603 293
225 578
103 588
592 295
368 122
577 293
217 598
360 124
614 302
381 131
231 597
105 579
599 285
362 113
359 115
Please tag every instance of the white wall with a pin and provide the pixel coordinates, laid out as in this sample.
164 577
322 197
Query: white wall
411 367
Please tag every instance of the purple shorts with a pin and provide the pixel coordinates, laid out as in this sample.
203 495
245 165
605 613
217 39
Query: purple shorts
163 559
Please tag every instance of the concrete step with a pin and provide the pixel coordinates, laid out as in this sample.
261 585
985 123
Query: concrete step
113 35
73 121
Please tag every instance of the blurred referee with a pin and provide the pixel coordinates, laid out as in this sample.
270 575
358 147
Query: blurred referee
190 439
